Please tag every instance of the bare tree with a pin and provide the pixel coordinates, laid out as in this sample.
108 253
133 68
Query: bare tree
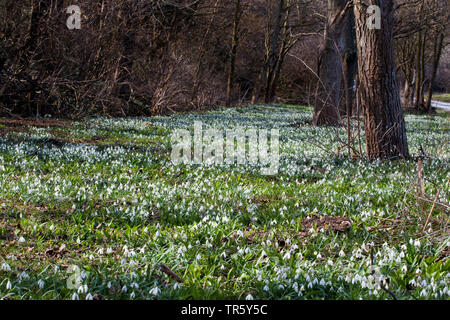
273 41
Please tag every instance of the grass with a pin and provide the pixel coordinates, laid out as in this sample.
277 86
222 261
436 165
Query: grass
103 195
442 97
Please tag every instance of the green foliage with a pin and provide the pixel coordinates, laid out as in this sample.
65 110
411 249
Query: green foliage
108 200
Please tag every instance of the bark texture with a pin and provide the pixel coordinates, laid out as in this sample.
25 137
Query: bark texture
330 64
378 91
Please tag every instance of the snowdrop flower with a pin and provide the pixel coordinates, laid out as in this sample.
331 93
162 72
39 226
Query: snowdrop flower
249 297
40 284
83 289
75 296
266 288
24 275
8 285
154 291
199 256
182 250
89 297
21 240
176 286
6 267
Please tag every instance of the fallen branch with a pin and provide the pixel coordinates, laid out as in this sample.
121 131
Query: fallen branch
437 203
432 209
170 273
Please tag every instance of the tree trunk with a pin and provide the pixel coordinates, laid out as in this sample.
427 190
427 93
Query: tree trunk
420 72
350 62
420 64
326 109
408 95
273 43
437 52
233 51
379 95
286 44
38 9
122 76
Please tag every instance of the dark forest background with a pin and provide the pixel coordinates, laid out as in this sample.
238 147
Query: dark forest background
136 57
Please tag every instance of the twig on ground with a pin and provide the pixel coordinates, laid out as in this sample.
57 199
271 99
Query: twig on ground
170 273
432 209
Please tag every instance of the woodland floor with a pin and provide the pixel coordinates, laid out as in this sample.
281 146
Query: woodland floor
103 195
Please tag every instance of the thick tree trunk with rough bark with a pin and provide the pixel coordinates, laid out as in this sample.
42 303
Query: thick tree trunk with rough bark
328 97
378 91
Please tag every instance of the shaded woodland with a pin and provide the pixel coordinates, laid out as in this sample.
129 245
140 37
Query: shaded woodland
135 58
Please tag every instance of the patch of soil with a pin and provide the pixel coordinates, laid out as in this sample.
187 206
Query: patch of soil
336 224
33 122
8 125
7 232
250 237
55 252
